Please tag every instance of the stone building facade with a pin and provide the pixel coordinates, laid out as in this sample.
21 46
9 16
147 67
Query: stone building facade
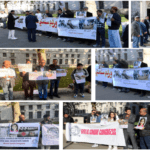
65 57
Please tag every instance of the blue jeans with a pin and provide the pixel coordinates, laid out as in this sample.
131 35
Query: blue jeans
114 38
145 38
31 35
55 85
8 91
77 87
141 40
136 41
4 24
40 88
100 33
145 142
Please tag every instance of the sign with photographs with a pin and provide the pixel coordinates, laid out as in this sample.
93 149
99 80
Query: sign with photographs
77 27
94 133
123 123
19 134
141 123
137 64
132 78
102 18
109 16
81 14
50 134
45 75
104 74
25 67
79 78
93 119
61 72
20 23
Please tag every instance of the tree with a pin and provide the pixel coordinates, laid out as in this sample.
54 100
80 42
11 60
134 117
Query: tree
91 7
41 55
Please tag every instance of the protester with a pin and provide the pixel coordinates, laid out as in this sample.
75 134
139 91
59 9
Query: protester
98 114
113 31
45 121
89 79
145 131
31 26
21 119
112 118
39 17
54 83
136 32
27 84
80 86
92 115
144 32
8 82
3 17
129 132
27 13
146 21
11 25
142 92
42 84
47 14
67 119
105 66
100 30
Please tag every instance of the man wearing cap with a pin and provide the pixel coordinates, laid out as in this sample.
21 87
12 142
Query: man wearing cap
113 31
136 32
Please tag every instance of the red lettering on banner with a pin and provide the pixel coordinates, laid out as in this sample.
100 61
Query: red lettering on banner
107 74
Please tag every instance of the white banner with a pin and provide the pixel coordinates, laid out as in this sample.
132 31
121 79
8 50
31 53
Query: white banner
78 77
25 67
20 23
77 27
45 75
61 72
19 134
104 74
94 133
50 134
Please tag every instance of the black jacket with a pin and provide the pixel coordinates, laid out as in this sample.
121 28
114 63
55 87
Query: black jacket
143 65
67 120
116 23
147 25
125 36
11 21
89 71
69 14
21 122
89 14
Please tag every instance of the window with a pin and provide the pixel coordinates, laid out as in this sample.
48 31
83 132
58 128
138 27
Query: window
89 56
108 57
48 7
78 55
12 54
34 55
60 61
72 55
125 56
70 50
30 115
78 60
43 7
30 107
27 55
67 55
89 61
23 113
72 61
34 61
39 106
47 106
4 55
13 61
56 113
81 5
66 6
56 106
60 55
48 61
53 6
66 61
22 107
125 4
38 114
76 50
140 54
119 56
101 5
47 112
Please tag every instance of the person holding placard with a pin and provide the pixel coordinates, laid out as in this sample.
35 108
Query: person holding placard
8 81
78 76
39 17
129 132
42 84
26 84
54 83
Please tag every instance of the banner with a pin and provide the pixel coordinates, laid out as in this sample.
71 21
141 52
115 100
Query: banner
77 27
61 72
50 134
48 24
45 75
94 133
104 74
20 23
78 77
25 67
19 134
132 78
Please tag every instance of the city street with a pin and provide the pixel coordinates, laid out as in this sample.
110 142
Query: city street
42 41
109 94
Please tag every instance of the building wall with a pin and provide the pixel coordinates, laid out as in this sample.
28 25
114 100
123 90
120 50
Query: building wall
135 9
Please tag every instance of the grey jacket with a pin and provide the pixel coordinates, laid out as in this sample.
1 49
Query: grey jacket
135 29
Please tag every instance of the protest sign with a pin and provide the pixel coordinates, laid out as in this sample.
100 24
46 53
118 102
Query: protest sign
61 72
141 123
77 27
137 64
123 123
109 16
78 77
20 23
45 75
102 18
3 72
93 119
22 135
81 14
110 134
50 134
25 67
104 74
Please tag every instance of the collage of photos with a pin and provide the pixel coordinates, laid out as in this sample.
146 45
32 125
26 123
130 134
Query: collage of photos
74 74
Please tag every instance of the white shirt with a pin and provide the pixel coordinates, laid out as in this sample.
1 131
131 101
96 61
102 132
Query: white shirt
39 16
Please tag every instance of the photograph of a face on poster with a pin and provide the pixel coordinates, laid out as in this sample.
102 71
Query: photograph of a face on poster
81 14
141 75
14 129
127 74
141 123
137 64
117 74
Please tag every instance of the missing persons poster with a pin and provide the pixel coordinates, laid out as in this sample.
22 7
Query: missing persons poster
20 23
19 134
77 27
50 134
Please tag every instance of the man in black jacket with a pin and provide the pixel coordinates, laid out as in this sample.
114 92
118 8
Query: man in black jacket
144 133
142 92
129 132
93 114
146 22
67 119
21 119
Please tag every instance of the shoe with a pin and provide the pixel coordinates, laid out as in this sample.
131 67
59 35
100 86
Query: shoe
26 98
96 45
40 98
81 42
119 90
136 93
58 38
44 98
113 88
64 40
37 34
142 95
143 46
51 97
71 41
57 96
75 95
95 145
34 41
40 34
105 86
14 38
88 43
81 94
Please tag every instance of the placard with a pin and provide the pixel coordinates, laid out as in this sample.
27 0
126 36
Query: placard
25 67
61 72
78 78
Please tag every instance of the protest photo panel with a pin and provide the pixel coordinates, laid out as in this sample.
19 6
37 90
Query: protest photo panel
45 74
29 125
105 125
123 73
64 24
